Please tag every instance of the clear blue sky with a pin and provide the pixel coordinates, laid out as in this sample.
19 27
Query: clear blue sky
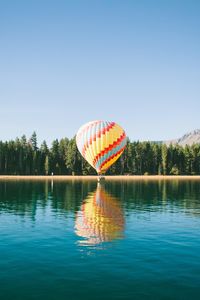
64 63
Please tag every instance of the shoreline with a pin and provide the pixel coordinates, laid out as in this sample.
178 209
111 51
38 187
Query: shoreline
94 177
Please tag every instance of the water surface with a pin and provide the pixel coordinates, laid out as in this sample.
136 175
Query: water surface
123 240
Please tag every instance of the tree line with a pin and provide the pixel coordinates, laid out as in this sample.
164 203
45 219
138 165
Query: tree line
23 157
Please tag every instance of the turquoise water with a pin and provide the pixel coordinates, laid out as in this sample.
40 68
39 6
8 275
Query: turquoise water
77 240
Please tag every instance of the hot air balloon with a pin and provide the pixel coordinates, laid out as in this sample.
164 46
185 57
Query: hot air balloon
100 218
101 143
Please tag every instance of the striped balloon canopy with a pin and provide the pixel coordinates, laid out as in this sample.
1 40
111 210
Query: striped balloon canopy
101 143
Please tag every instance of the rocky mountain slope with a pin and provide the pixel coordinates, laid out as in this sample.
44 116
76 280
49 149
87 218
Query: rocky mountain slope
190 138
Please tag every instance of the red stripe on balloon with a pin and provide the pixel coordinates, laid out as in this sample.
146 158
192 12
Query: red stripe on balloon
97 135
111 157
110 147
86 128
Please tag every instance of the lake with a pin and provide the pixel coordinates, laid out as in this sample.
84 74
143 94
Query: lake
118 240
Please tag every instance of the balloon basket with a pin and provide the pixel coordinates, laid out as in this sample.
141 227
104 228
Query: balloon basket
101 178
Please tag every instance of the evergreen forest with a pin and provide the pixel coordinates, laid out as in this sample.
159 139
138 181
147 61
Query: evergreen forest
24 157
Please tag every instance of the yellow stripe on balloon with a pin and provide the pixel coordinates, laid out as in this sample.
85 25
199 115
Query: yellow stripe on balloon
110 162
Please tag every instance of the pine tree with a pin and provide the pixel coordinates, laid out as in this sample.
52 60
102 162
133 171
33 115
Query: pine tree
46 165
164 159
33 141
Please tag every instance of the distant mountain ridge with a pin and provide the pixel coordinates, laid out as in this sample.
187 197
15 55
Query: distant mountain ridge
189 138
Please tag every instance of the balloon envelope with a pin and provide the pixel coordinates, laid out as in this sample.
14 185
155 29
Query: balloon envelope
101 143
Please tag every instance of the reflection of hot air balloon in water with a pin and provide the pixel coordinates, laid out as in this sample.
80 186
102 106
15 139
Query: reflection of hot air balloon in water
100 218
101 144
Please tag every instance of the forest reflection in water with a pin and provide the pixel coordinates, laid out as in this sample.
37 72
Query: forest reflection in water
26 197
